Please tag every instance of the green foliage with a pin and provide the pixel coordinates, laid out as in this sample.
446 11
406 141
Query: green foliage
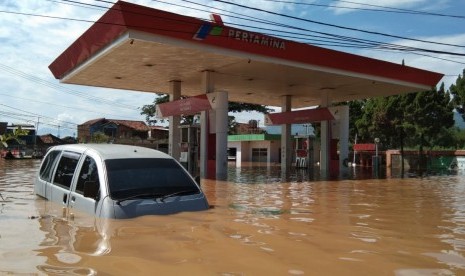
232 124
240 107
99 138
457 90
15 136
414 120
355 111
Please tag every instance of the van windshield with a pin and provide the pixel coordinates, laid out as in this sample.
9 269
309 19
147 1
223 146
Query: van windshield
147 177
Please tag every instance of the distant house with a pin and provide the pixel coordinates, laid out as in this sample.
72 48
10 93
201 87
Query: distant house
125 132
49 140
251 127
158 133
3 126
114 129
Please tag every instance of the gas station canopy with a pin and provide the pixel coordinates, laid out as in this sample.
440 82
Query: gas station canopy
138 48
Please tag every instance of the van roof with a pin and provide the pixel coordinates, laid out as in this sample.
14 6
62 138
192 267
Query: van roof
115 151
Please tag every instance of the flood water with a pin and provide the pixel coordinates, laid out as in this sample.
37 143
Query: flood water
259 225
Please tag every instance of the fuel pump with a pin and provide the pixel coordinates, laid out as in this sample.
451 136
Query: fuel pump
190 138
303 151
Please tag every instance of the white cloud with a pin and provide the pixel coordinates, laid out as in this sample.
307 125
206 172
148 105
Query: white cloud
348 6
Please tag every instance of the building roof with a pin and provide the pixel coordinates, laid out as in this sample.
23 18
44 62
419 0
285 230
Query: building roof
139 48
158 128
50 139
91 122
136 125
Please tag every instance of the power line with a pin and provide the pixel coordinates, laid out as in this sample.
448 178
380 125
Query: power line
21 117
377 8
353 42
61 88
60 105
404 48
35 114
337 26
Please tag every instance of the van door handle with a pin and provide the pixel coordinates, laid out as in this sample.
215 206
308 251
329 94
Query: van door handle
65 198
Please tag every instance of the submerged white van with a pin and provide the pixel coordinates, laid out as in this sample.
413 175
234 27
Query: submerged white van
117 181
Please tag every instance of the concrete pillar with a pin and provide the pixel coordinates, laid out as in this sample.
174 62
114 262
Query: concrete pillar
286 142
221 126
208 87
174 148
325 139
343 137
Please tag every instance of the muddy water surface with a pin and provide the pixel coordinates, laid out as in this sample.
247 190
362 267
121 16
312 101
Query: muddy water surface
259 225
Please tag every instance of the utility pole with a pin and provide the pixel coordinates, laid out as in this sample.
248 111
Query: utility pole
36 132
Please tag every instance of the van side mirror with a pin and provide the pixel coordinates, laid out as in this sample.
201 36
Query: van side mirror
91 189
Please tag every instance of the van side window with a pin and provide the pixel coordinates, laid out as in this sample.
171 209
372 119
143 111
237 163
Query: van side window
47 166
65 169
88 172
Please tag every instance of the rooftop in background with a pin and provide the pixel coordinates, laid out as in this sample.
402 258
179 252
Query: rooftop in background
139 48
137 125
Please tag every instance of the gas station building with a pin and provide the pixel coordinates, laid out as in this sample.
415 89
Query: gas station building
139 48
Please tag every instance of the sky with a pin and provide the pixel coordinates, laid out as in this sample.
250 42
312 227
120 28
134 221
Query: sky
34 32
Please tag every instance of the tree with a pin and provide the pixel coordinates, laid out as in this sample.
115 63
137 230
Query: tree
355 112
414 119
14 136
458 92
376 121
430 114
99 138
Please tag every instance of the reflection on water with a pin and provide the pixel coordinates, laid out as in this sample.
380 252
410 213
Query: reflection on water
260 225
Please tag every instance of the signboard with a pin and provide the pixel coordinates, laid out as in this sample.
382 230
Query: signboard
301 116
364 147
189 106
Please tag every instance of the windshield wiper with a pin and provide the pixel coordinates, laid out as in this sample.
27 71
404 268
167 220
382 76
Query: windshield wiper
182 192
143 195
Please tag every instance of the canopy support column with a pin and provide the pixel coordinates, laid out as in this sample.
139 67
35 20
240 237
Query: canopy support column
221 127
286 143
325 139
174 132
208 87
343 138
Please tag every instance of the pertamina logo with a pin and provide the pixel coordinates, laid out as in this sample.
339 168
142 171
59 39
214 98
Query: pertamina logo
207 29
216 28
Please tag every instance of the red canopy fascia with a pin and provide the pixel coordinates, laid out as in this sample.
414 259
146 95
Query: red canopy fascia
125 16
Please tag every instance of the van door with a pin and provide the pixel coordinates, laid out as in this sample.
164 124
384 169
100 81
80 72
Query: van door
88 174
63 178
42 184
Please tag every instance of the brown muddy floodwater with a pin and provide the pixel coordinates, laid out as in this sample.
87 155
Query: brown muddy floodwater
258 226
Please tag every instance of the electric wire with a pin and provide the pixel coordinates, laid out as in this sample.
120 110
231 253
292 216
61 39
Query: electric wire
363 43
108 23
35 114
24 118
65 106
320 44
336 26
378 8
61 88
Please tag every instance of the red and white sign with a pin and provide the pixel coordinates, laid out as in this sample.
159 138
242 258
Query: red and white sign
299 116
364 147
189 106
